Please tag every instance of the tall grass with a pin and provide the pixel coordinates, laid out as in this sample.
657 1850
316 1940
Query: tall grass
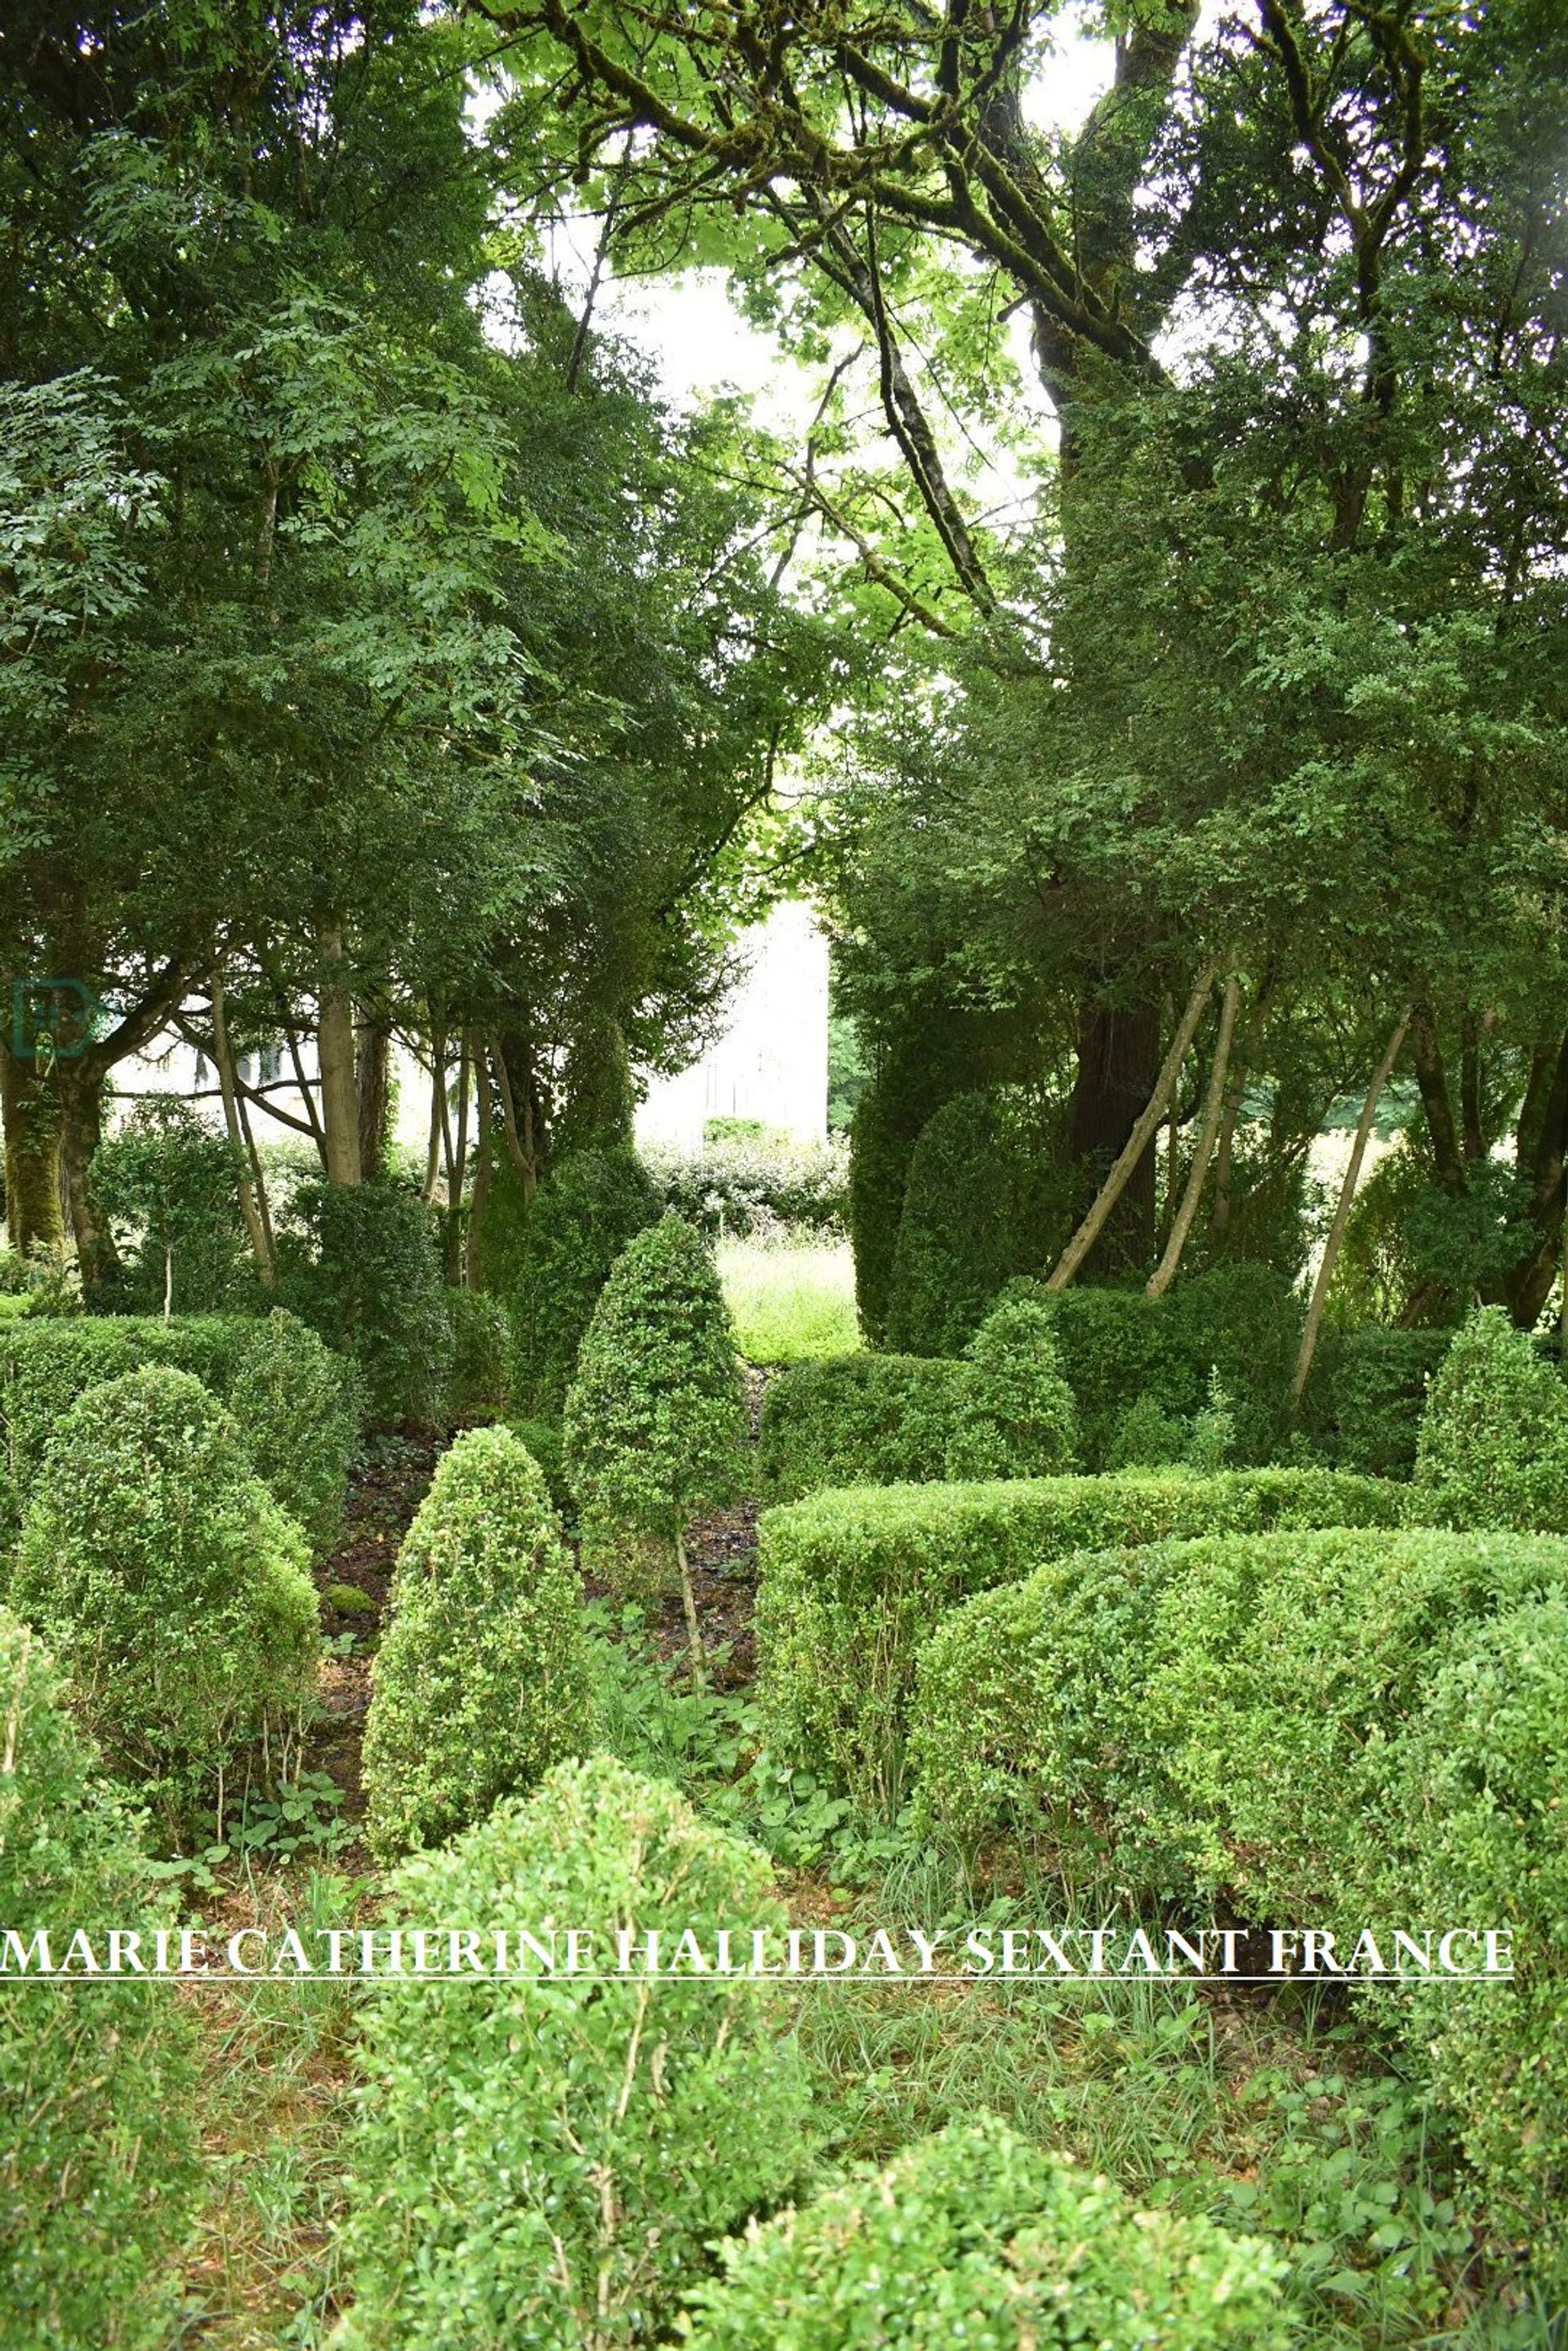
792 1299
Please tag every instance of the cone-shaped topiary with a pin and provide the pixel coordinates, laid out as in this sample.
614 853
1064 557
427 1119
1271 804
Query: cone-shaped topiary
169 1585
482 1678
297 1407
1493 1447
587 1208
1014 1413
978 2237
548 2162
97 2171
655 1427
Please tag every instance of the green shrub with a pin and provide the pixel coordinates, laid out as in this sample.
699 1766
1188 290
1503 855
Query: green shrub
1014 1415
988 1197
855 1420
46 1364
655 1427
480 1353
362 1267
744 1184
169 1585
550 2163
1146 1437
482 1678
977 2237
586 1211
296 1407
542 1438
98 2169
1483 1840
851 1582
881 1143
168 1186
1493 1448
1367 1393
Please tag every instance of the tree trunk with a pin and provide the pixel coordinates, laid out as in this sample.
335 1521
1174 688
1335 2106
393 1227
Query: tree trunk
1118 1061
1159 1281
82 1130
483 1145
31 1107
371 1072
335 1049
1342 1211
223 1062
1134 1151
457 1170
689 1607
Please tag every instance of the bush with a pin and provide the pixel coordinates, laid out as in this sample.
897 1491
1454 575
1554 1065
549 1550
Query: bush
655 1428
1367 1393
480 1350
850 1583
169 1585
1493 1447
854 1420
296 1407
97 2171
1483 1840
46 1364
977 2237
880 1146
586 1211
482 1678
363 1269
1146 1437
1014 1415
989 1196
745 1185
168 1186
542 1438
549 2163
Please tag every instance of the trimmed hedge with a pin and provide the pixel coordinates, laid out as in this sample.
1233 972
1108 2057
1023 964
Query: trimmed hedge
855 1420
482 1678
480 1350
851 1582
171 1586
99 2176
1013 1414
1493 1448
976 2237
549 2162
299 1401
745 1186
362 1267
586 1211
1368 1392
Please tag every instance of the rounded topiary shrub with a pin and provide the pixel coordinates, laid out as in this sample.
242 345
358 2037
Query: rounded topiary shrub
295 1404
655 1428
1493 1447
1014 1413
363 1269
978 2237
482 1677
584 1214
549 2163
98 2172
171 1586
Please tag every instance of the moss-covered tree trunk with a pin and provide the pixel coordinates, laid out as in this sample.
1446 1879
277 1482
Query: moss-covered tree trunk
31 1106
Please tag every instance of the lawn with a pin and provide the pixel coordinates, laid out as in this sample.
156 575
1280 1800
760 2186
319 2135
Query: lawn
789 1299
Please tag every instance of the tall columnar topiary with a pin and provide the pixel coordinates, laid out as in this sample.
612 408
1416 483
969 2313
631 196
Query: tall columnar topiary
1493 1447
655 1427
1013 1414
171 1586
549 2163
364 1269
978 2237
482 1678
98 2172
297 1407
586 1211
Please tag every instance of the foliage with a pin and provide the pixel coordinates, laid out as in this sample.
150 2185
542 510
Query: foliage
852 1420
791 1301
296 1407
850 1583
1368 1393
481 1352
1013 1416
748 1184
641 2120
171 1586
482 1680
878 1171
1493 1449
362 1268
655 1425
1146 1437
167 1184
1211 1445
586 1211
980 1207
542 1440
976 2236
100 2169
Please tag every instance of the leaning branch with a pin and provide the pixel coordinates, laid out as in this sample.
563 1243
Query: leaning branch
1342 1211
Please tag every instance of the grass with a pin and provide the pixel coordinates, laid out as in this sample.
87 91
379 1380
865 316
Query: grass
791 1300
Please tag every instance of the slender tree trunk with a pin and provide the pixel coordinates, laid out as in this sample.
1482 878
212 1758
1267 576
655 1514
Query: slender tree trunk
335 1049
457 1171
520 1147
371 1078
483 1145
30 1103
1432 1079
1159 1281
438 1107
1342 1211
223 1062
689 1606
258 1178
1240 1063
80 1087
1118 1062
1136 1146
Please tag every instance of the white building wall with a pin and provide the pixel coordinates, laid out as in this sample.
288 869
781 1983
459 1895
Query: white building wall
771 1062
